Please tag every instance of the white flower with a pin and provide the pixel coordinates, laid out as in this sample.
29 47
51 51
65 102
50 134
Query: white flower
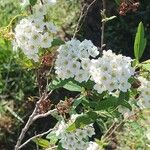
40 9
80 134
68 73
74 66
74 55
30 35
39 25
93 51
99 88
75 140
93 146
124 86
46 40
35 38
24 3
144 89
82 75
51 27
61 128
85 63
50 1
90 131
37 18
109 73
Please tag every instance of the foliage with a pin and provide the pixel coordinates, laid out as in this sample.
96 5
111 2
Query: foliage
85 107
136 127
140 42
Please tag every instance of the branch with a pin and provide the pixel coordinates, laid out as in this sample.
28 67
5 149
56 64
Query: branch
83 15
34 137
110 128
103 24
44 115
31 119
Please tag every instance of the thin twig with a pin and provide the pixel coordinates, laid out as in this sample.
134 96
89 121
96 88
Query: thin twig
30 9
82 16
110 128
44 115
115 128
103 24
34 137
31 120
24 130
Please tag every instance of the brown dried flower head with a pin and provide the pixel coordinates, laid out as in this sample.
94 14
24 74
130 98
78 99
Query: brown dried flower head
48 59
63 107
128 5
44 106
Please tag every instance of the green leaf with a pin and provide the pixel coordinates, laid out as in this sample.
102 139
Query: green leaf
146 67
60 147
52 137
71 86
103 104
124 96
76 103
66 84
33 2
57 83
140 42
57 42
42 142
125 104
83 120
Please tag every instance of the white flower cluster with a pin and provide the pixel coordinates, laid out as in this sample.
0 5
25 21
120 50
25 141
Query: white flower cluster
111 72
144 89
27 2
93 146
33 33
73 60
78 139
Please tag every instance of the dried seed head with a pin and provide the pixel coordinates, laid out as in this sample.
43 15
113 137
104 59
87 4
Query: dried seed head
63 107
128 5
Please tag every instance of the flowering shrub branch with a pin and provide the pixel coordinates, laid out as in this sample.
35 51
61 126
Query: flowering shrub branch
107 84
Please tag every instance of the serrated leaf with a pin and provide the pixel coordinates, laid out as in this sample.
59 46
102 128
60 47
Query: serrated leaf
33 2
140 42
70 86
57 83
125 104
76 103
83 120
124 96
103 104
